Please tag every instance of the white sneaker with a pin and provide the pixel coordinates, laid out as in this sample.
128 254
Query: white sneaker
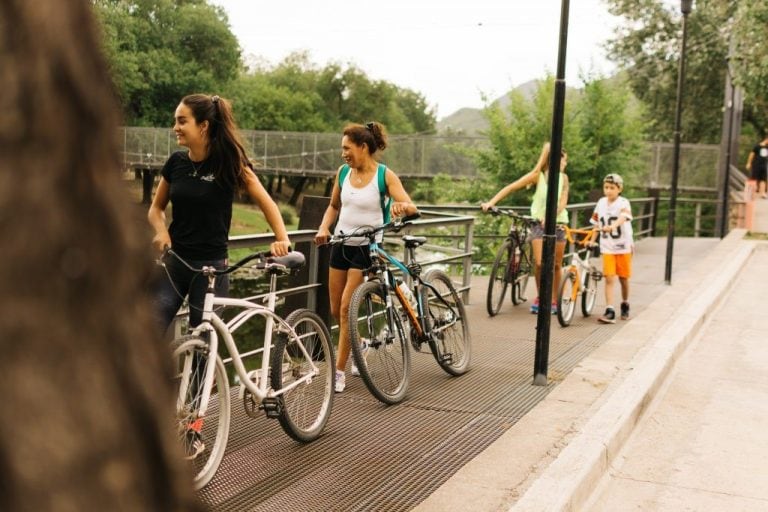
340 383
355 371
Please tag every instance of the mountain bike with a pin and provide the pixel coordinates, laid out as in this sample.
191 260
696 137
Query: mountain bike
580 277
294 383
513 265
431 306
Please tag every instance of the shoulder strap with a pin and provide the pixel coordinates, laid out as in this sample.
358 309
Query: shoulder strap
343 174
384 200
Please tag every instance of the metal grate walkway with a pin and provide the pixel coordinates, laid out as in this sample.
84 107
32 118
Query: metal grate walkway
374 457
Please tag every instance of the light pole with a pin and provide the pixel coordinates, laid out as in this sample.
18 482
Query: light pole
730 106
544 319
685 8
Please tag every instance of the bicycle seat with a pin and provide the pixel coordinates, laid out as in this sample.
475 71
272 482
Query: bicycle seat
414 241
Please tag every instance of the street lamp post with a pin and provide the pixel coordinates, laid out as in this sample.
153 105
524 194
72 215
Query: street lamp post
685 9
544 319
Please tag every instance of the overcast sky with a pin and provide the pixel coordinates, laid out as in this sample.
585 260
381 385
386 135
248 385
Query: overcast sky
451 51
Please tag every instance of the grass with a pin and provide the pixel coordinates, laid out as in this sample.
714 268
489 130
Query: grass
756 236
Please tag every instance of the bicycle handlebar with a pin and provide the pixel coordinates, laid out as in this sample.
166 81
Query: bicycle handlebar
493 210
370 231
293 259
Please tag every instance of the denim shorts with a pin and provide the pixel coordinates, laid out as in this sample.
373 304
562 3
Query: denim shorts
537 232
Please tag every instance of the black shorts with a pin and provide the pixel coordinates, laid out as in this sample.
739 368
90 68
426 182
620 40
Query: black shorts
344 257
759 172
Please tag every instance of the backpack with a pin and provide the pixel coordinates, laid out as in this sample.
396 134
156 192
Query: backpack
384 200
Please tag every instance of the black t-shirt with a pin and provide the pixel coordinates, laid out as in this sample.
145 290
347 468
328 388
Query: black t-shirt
202 209
760 160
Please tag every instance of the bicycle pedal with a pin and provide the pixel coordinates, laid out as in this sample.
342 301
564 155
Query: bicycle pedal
273 407
597 276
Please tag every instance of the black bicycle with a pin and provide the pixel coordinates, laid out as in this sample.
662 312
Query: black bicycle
431 306
513 264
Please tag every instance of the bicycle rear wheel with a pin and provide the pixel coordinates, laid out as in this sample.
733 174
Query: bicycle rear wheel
450 340
589 295
566 298
522 265
499 279
192 358
305 409
379 348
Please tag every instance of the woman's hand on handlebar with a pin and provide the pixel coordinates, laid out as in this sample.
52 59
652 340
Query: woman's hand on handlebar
486 206
321 238
280 247
161 242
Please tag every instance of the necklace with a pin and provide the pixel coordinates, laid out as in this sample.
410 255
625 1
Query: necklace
196 168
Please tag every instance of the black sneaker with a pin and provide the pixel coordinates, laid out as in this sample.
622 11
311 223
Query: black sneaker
193 444
625 310
609 317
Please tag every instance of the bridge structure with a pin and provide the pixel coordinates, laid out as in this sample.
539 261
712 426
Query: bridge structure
485 440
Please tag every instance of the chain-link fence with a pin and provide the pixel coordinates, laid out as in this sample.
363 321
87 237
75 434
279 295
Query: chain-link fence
409 155
317 152
698 166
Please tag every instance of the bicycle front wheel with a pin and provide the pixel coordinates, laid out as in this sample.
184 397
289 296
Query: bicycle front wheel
589 295
499 279
566 298
379 347
306 407
203 434
446 323
522 265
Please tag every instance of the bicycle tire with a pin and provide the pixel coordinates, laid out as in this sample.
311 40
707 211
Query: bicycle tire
589 294
566 298
189 353
384 361
305 409
521 271
450 339
498 279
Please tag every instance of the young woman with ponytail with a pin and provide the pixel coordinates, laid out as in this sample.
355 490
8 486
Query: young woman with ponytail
200 183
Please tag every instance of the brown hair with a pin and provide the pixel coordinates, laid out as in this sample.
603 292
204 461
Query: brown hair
373 135
227 153
85 376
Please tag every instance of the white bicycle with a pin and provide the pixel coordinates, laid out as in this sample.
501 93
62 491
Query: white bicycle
293 384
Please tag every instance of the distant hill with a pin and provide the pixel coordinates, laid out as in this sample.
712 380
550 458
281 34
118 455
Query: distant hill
470 121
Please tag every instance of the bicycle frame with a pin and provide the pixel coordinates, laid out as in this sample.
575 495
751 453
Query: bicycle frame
580 265
212 325
378 254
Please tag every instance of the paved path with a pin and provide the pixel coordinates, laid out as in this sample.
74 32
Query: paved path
555 457
703 445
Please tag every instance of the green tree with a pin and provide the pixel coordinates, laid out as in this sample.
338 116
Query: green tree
750 59
648 45
161 50
601 134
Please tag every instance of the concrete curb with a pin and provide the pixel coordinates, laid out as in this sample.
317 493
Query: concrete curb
568 481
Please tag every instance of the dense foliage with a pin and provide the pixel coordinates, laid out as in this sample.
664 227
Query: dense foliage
602 133
647 44
161 50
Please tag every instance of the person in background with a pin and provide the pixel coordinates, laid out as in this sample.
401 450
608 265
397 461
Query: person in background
613 216
86 379
538 176
757 166
200 182
356 201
